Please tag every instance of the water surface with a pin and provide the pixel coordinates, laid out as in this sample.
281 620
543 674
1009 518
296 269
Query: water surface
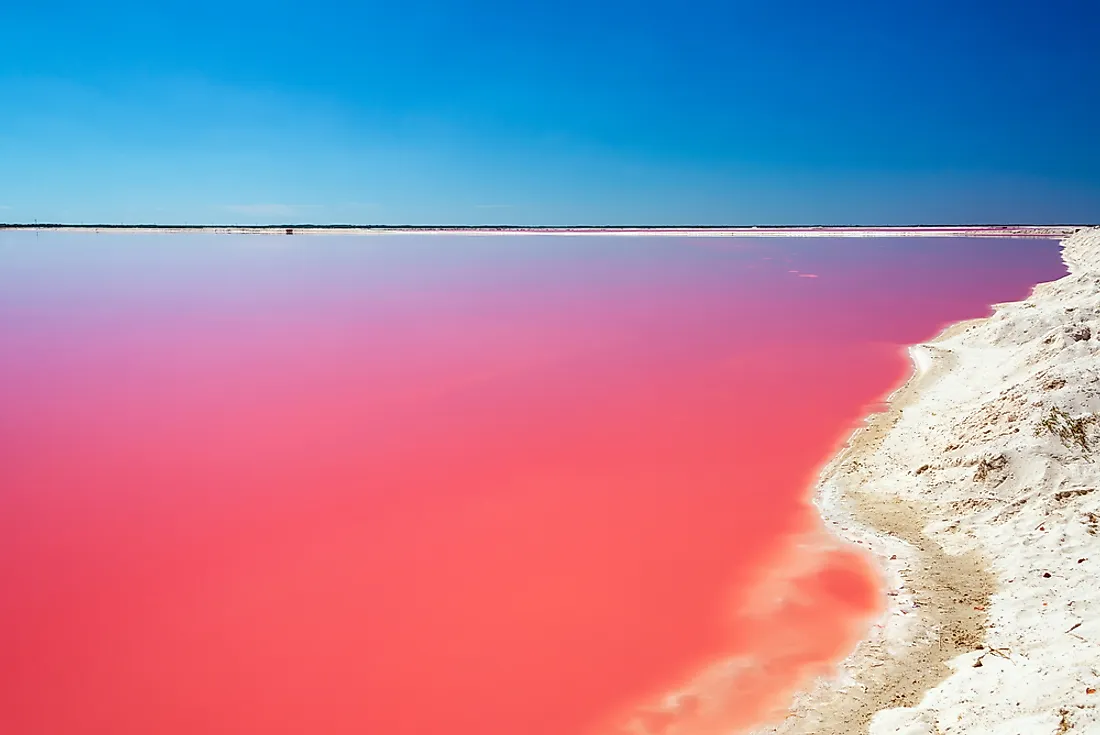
410 485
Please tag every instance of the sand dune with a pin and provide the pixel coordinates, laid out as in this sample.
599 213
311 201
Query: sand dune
979 490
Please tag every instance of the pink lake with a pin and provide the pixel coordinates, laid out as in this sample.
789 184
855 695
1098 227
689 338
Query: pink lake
414 485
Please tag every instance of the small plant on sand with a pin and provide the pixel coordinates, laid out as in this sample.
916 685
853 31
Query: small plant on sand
1064 725
1072 432
989 464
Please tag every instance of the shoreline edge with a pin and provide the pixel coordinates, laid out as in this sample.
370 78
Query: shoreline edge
981 519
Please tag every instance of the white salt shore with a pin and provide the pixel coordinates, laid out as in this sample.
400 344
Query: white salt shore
987 525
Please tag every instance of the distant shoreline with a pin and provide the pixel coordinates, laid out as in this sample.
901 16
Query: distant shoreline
1031 231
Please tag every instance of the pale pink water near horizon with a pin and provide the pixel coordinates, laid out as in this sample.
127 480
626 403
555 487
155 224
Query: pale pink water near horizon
421 484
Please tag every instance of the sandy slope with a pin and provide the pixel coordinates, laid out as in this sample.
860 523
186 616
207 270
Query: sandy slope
988 528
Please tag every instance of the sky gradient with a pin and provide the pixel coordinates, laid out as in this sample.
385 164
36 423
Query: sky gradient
485 112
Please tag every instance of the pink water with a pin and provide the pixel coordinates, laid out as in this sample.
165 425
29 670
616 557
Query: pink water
426 485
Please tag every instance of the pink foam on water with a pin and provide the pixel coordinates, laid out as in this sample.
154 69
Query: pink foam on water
476 486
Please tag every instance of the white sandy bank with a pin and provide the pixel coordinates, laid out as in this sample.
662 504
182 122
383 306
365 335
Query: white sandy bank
988 527
1028 503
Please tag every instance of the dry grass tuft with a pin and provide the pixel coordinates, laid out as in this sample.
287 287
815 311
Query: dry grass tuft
1072 432
989 464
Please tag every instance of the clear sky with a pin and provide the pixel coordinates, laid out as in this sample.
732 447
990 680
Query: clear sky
566 112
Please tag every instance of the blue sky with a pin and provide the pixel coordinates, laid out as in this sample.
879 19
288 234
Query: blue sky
647 112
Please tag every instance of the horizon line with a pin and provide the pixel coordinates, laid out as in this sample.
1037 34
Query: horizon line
309 226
